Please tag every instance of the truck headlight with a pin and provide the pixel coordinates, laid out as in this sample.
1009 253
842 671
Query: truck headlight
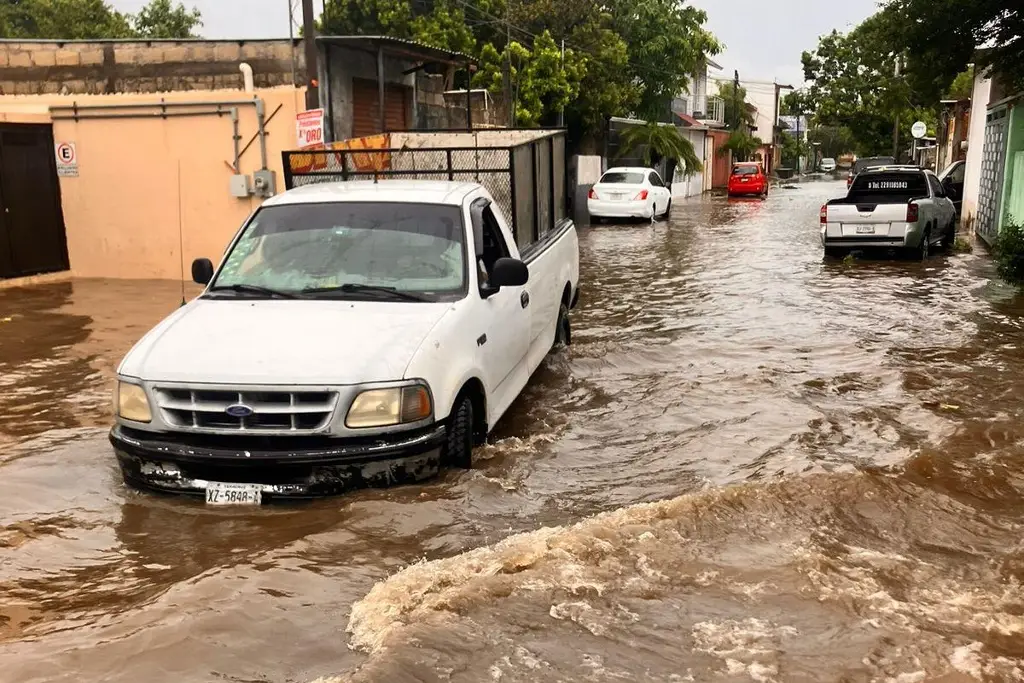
389 407
132 403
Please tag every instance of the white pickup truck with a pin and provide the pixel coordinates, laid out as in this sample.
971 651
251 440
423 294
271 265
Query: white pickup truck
354 331
891 207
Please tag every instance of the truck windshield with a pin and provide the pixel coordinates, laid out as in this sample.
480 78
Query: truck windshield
413 248
888 188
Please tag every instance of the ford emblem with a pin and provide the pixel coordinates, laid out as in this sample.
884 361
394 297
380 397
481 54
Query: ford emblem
239 410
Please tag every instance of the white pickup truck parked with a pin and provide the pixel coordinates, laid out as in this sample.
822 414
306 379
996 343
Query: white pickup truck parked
891 207
356 330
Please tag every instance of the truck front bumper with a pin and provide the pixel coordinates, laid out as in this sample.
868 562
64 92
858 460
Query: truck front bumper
285 467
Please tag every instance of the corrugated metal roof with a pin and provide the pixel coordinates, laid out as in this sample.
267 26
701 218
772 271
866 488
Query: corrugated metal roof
392 45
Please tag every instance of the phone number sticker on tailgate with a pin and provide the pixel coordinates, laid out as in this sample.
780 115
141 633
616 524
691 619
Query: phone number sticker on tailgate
218 493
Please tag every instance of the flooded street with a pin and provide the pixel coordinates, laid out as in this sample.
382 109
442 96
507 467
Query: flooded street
752 464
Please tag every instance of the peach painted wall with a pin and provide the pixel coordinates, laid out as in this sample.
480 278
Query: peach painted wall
139 179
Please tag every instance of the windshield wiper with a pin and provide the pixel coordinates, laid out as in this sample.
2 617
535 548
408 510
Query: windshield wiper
255 289
353 288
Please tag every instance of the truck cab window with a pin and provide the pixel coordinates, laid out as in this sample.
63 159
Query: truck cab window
936 186
494 246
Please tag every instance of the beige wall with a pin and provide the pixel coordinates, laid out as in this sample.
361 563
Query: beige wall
139 179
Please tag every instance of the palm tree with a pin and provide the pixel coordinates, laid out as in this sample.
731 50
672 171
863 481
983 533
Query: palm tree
742 145
660 141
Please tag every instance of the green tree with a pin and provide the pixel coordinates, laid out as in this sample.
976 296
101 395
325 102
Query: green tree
792 149
834 141
737 113
161 19
742 144
62 19
541 84
942 37
963 86
662 141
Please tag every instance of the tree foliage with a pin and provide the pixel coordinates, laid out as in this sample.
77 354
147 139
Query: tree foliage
834 141
942 37
93 19
737 113
742 144
621 58
857 82
659 141
161 19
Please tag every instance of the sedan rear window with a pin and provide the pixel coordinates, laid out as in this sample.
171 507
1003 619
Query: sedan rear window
622 178
744 170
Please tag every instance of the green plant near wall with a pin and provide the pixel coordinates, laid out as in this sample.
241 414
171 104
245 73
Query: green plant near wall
1009 253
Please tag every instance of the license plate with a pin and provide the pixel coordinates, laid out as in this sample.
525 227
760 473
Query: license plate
617 196
219 493
865 230
744 180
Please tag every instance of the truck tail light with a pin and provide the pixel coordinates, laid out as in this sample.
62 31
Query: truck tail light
641 196
592 194
823 216
913 213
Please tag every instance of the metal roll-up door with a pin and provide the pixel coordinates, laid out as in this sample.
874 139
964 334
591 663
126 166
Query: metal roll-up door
366 112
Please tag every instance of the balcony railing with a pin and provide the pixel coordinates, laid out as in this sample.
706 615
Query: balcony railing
701 108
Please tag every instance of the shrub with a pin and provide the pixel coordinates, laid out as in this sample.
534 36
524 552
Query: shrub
1009 253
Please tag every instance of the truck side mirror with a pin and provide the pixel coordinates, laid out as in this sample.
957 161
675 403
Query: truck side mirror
509 272
202 271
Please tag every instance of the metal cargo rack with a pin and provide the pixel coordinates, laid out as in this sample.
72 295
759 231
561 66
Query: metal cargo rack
524 170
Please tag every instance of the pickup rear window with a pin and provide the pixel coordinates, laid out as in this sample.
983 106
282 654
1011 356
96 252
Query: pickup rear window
888 188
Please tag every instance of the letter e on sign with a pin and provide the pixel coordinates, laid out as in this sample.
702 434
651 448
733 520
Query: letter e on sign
67 159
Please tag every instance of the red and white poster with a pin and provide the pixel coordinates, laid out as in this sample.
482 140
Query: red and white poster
309 128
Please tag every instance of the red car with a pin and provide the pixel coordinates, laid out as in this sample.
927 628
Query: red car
748 178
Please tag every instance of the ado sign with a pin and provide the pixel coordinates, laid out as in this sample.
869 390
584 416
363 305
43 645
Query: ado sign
309 127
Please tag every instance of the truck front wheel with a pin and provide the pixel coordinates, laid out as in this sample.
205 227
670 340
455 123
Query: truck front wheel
459 449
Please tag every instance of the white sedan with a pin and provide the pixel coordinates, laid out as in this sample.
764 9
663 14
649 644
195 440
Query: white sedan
629 193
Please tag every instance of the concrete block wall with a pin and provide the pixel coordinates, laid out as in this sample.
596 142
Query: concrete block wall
143 66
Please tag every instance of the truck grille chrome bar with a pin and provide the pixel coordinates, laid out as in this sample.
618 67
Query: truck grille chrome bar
225 410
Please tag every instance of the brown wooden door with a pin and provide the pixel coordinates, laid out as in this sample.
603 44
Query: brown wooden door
32 237
366 112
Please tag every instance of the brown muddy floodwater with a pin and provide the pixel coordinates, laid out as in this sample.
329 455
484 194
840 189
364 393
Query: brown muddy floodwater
751 465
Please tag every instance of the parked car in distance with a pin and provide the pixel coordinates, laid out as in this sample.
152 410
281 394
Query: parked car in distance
901 207
867 162
747 178
629 192
828 165
952 179
351 328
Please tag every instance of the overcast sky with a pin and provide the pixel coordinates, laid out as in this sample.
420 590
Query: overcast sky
763 38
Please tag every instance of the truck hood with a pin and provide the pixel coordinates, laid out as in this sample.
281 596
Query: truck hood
310 342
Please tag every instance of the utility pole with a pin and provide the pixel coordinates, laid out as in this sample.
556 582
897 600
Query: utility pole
561 112
507 71
736 99
896 126
309 39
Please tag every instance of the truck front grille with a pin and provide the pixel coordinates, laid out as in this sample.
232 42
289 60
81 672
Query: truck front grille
206 410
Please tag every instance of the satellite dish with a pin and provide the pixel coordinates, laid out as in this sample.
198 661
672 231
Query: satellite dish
919 130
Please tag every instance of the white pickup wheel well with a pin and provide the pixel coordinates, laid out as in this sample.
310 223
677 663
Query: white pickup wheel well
474 390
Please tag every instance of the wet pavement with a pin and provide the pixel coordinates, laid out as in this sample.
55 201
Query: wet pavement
752 464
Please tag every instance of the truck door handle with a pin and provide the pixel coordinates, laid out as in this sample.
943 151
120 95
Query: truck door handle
524 299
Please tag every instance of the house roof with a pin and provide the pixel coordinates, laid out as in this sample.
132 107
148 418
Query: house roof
711 62
687 120
398 47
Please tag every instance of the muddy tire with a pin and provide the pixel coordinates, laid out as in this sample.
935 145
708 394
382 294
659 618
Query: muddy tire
949 236
668 210
563 328
924 251
459 448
